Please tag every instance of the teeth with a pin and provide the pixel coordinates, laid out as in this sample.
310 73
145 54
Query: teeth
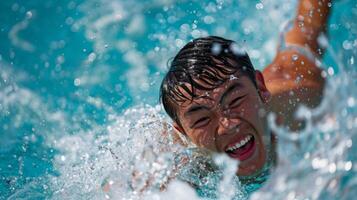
240 144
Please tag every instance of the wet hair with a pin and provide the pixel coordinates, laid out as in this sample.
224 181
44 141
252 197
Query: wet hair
202 64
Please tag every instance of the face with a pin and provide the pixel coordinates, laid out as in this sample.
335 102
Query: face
230 119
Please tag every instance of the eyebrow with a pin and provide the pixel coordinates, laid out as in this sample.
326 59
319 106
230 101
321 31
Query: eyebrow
197 108
231 89
194 109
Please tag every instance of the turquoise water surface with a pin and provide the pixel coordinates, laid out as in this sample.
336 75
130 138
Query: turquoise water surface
79 108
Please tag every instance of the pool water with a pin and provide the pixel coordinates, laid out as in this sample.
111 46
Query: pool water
80 116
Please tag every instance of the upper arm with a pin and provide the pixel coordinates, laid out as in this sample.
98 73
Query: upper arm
293 79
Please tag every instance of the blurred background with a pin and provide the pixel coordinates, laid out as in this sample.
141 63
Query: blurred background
69 68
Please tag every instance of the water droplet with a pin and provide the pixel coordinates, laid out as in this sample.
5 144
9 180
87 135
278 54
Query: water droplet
208 19
237 50
29 15
69 20
179 43
63 158
216 49
330 71
195 33
232 77
91 57
350 101
77 82
323 74
295 57
322 40
332 168
349 143
348 166
259 6
347 45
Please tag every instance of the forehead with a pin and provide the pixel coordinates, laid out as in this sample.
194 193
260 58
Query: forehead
213 96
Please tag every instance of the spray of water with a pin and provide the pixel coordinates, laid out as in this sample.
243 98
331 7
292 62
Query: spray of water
133 154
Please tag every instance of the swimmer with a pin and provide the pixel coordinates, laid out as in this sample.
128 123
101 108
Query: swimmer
219 102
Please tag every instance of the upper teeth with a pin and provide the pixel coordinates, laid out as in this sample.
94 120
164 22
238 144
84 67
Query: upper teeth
240 143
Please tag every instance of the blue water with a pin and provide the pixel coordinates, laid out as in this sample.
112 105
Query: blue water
79 88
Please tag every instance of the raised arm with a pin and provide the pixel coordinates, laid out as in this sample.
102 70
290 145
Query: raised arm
309 23
293 78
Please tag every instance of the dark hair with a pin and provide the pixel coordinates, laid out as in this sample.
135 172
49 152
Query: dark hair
204 63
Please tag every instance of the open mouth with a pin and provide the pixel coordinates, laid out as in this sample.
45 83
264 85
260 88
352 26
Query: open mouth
243 149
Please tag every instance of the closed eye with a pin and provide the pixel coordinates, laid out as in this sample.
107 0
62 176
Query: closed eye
236 102
201 122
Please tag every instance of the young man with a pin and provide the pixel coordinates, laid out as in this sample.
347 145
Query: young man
220 102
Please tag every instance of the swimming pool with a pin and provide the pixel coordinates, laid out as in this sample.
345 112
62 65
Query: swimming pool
79 95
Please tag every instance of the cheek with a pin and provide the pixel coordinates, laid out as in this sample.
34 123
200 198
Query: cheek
250 110
202 137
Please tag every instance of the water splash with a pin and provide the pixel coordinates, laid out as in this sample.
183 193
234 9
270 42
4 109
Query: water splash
124 155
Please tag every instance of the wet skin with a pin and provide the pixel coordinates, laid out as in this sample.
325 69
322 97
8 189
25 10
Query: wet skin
222 117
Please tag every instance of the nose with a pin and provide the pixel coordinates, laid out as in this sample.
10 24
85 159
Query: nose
227 126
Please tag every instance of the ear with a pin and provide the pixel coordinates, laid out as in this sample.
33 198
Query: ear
263 91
